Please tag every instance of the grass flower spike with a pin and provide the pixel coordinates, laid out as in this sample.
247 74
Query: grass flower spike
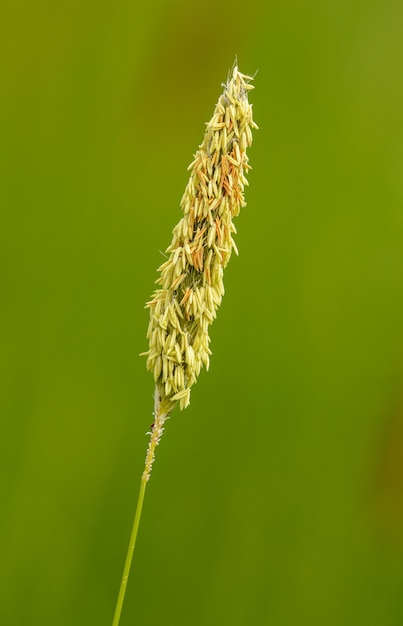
191 280
190 285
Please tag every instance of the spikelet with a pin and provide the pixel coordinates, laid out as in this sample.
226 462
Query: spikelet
191 279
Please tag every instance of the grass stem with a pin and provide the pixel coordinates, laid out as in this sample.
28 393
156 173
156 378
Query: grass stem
129 556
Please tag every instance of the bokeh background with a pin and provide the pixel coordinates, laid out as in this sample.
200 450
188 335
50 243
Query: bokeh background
277 497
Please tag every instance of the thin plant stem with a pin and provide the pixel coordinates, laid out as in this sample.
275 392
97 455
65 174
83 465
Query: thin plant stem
129 556
157 428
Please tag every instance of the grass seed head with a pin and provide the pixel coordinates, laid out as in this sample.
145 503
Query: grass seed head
191 280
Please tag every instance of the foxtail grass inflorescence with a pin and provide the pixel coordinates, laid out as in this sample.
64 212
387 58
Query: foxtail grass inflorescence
190 285
191 279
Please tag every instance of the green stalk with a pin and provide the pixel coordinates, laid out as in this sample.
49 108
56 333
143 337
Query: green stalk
157 428
129 556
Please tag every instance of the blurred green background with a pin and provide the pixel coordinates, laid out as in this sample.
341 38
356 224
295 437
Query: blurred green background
277 497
